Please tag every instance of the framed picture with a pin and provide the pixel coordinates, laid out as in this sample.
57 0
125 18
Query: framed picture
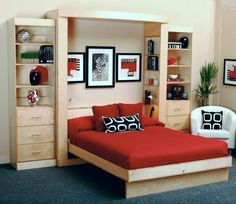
128 67
100 67
230 72
75 67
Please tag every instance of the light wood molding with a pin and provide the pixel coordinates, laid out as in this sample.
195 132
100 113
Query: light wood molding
99 162
35 164
110 15
147 187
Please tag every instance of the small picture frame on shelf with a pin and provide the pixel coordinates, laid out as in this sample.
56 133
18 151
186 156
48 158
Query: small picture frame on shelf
100 66
75 67
128 67
229 72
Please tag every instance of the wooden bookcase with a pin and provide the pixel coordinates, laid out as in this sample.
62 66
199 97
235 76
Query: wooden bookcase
32 128
178 108
153 81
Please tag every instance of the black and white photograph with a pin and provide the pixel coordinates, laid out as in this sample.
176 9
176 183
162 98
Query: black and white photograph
100 67
75 67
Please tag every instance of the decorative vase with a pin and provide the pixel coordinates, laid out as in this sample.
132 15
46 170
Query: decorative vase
33 97
184 40
150 47
34 78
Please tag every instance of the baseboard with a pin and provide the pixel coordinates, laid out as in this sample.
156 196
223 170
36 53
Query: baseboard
4 159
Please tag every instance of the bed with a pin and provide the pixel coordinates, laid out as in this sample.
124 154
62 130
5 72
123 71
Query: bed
154 160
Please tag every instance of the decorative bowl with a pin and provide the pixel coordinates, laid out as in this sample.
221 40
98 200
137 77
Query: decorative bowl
173 76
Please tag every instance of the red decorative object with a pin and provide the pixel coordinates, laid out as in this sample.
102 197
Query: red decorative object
43 71
172 61
33 97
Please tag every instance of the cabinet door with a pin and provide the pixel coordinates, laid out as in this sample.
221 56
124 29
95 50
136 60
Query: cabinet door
27 116
35 134
178 107
30 152
178 122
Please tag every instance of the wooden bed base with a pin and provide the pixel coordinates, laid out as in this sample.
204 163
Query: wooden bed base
158 179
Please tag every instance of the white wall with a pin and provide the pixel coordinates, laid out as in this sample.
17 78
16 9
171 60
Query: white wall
197 13
227 50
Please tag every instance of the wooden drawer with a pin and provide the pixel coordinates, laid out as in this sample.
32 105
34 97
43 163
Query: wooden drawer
30 152
178 122
28 116
178 107
35 134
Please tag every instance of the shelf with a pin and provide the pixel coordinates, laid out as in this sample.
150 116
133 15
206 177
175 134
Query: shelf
147 55
151 85
33 44
36 106
178 49
34 64
178 82
30 86
149 70
179 65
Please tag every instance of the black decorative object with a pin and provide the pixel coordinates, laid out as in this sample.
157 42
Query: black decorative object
35 78
152 62
184 40
150 47
177 92
46 54
147 96
185 95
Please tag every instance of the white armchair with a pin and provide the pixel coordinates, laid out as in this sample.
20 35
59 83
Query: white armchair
227 133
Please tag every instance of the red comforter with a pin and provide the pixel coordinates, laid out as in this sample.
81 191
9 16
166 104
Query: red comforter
154 146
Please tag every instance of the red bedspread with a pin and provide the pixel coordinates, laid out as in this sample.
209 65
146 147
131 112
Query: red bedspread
154 146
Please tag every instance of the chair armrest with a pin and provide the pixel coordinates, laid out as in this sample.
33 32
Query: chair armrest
230 123
196 122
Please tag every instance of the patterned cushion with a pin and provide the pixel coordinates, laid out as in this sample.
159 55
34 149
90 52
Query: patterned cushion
122 124
212 120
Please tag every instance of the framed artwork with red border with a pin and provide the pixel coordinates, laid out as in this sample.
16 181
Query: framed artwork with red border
229 72
75 67
128 67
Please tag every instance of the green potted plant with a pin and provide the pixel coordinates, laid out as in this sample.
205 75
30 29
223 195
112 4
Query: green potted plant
206 86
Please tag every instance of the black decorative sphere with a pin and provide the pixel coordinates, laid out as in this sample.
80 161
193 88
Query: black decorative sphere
169 95
184 40
34 78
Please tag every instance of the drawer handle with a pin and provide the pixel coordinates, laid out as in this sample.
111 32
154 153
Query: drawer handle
177 109
36 152
177 124
36 135
35 117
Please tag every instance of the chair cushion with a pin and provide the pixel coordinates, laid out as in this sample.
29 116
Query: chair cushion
212 120
220 134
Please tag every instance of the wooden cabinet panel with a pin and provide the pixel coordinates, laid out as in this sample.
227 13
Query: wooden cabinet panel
30 152
35 134
178 107
27 116
178 122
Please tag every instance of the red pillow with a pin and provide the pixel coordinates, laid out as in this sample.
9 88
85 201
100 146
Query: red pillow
147 121
80 124
107 111
131 109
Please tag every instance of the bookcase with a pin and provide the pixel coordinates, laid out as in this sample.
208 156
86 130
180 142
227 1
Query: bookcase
179 65
32 85
155 35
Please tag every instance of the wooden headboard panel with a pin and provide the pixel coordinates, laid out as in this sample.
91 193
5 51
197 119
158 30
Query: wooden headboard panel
79 111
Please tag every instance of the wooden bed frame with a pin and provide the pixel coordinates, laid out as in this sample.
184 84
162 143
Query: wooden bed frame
144 181
138 181
158 179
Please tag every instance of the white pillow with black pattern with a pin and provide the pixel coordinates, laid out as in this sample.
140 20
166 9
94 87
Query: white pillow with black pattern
122 124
